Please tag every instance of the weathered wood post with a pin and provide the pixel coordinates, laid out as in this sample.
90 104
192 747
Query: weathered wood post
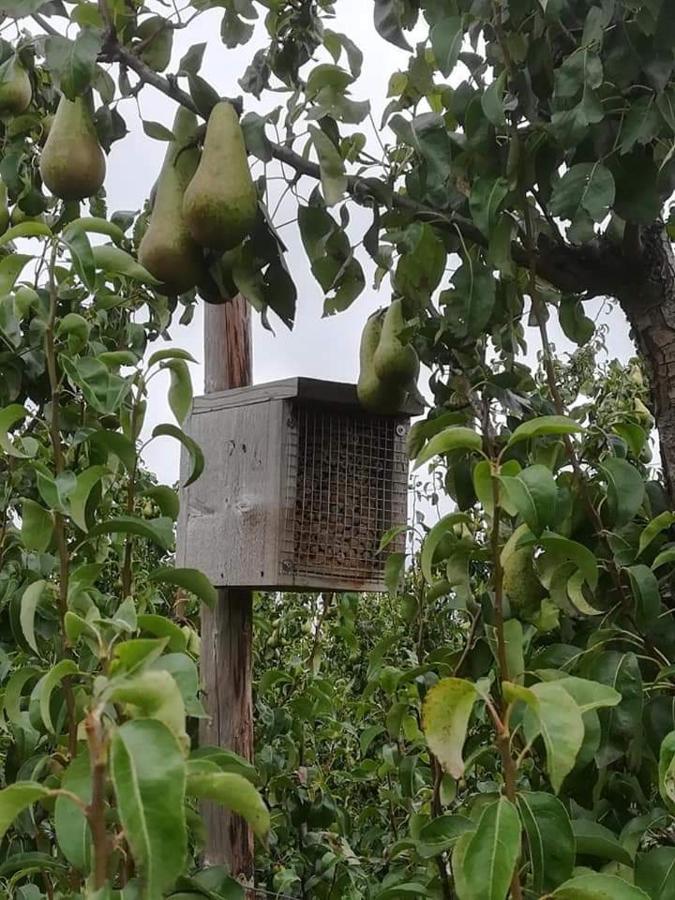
226 659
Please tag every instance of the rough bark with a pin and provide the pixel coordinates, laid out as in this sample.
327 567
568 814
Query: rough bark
227 629
648 299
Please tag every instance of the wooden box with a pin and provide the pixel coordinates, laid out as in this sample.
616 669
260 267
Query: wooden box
299 486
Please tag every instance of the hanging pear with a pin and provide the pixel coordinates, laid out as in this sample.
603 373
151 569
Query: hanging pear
15 88
72 163
395 361
167 249
521 583
220 203
375 395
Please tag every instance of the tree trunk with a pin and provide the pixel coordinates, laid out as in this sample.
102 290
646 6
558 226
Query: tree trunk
649 304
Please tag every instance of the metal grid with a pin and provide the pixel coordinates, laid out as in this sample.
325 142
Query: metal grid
347 485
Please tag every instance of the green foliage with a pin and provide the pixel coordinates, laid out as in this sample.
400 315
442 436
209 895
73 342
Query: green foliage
99 676
576 719
502 724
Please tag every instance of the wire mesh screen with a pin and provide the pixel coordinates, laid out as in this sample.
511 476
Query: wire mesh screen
347 485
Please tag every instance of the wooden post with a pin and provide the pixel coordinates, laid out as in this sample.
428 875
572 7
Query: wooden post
226 659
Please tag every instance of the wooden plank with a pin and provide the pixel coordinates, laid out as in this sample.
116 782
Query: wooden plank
327 393
229 527
227 630
256 393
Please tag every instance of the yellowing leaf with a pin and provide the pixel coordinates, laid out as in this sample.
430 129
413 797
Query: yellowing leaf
445 718
180 391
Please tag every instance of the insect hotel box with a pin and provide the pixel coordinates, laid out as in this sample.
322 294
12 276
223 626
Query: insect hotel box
299 486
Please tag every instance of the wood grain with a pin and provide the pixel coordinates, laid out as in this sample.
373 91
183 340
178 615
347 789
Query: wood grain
226 659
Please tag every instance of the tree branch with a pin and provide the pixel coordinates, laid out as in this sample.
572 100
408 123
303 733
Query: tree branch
595 271
44 24
116 53
96 810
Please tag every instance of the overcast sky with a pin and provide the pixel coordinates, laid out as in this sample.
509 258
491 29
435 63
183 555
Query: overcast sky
317 347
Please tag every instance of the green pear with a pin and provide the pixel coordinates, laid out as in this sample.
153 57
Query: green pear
394 361
167 249
374 394
72 163
521 583
4 209
15 88
221 203
158 33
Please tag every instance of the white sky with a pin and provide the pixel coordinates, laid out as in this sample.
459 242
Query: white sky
319 348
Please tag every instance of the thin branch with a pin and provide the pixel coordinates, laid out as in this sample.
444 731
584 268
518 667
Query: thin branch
59 466
328 598
105 15
44 24
168 86
437 810
547 215
96 811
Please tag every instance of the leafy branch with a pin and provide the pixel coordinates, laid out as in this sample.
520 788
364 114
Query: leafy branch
563 266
